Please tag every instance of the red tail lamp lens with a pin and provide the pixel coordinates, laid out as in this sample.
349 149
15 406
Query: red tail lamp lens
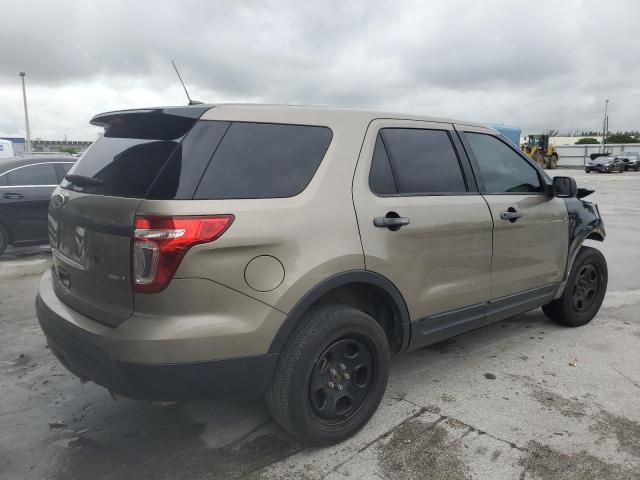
160 243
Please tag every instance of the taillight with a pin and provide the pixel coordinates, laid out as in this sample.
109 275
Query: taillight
159 243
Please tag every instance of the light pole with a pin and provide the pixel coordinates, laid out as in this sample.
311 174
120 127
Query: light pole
26 114
604 126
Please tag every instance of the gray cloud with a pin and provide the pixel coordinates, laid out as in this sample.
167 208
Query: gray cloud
538 65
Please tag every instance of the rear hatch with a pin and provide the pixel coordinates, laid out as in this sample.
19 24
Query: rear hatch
92 213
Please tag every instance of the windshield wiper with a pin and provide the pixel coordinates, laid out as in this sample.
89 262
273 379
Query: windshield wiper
83 180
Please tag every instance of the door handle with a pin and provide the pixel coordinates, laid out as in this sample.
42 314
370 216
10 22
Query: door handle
13 196
511 214
391 222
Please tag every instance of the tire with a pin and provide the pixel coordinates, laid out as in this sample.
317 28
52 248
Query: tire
584 292
4 238
331 345
636 168
587 170
553 161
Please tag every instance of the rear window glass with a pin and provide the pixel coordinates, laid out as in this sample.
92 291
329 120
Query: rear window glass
412 161
133 150
264 160
125 167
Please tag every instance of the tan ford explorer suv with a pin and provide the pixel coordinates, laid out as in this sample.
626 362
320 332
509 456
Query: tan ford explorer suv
291 251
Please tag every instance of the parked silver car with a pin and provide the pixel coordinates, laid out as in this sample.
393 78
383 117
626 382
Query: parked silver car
605 164
631 160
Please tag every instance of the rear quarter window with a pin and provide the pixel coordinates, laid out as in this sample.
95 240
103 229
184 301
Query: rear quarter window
264 160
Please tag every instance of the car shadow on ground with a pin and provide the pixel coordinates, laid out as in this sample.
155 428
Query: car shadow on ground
21 253
128 439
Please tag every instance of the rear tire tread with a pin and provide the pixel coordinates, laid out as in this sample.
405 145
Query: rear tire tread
318 323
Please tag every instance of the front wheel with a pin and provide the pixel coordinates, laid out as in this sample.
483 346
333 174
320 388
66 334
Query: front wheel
584 291
331 375
587 170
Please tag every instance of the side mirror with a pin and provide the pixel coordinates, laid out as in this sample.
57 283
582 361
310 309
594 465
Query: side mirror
564 187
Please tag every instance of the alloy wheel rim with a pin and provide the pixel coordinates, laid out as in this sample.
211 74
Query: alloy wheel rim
586 288
341 380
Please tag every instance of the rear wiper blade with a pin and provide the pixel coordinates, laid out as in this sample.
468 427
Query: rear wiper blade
83 181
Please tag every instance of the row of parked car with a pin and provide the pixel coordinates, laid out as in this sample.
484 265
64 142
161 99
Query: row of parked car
618 163
26 185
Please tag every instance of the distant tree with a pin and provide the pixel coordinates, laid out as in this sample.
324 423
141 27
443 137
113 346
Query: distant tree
622 137
552 132
587 141
71 150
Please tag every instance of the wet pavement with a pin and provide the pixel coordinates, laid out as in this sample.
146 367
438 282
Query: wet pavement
522 399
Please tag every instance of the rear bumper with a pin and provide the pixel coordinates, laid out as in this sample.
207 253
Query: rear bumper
89 355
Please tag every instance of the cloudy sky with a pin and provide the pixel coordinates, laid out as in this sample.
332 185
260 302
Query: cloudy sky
534 64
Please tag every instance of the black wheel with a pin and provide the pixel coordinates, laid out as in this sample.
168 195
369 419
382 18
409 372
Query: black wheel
584 292
636 168
331 375
4 238
587 170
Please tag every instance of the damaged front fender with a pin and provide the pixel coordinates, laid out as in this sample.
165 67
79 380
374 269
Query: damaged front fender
585 223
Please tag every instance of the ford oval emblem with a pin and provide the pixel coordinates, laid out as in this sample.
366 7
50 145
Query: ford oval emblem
58 200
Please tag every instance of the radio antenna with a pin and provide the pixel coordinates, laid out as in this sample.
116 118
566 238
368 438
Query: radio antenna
191 102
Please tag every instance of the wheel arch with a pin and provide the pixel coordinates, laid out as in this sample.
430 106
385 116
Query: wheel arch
353 286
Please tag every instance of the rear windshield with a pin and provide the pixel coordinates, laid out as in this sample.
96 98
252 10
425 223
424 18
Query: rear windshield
131 153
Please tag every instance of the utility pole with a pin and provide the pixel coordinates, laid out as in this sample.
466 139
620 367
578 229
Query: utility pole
604 126
26 114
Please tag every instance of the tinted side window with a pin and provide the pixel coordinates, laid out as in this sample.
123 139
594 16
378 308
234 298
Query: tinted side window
41 174
424 161
264 160
502 170
381 178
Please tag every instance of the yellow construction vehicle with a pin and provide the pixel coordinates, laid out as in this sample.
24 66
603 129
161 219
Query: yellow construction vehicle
538 148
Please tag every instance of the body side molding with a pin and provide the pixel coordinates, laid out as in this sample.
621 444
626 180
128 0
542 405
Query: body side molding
445 325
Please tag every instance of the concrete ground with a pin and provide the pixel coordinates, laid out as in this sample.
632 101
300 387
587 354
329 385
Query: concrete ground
521 399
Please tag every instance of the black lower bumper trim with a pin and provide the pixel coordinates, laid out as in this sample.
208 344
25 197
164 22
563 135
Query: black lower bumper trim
245 376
